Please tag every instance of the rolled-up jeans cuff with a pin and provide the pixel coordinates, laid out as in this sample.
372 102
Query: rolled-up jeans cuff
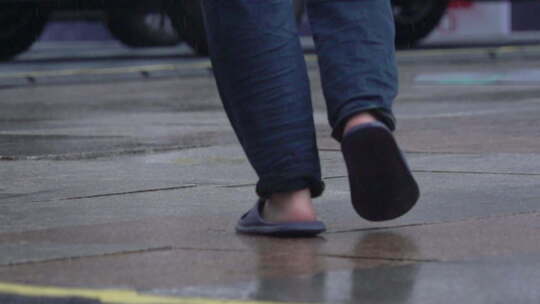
267 186
381 113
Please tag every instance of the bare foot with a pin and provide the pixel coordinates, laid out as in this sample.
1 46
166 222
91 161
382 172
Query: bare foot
295 206
358 119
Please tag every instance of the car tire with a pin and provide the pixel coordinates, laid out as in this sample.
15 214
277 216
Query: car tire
22 24
140 26
188 20
415 19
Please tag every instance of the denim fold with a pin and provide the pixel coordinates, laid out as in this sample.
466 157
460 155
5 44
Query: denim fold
262 79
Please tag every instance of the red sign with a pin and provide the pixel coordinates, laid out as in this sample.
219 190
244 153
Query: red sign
460 4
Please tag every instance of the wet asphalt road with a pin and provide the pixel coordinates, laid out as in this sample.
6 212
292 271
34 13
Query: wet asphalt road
119 170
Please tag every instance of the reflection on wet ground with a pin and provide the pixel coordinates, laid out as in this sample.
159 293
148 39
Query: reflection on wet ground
309 280
347 286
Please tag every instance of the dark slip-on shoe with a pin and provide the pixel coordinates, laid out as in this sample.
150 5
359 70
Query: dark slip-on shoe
253 223
381 183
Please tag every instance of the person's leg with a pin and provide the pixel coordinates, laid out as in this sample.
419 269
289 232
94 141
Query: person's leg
262 80
355 44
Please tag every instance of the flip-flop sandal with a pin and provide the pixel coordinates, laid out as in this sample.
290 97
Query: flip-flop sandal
381 183
253 223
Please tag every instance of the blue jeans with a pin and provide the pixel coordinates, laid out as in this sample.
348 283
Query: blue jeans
263 83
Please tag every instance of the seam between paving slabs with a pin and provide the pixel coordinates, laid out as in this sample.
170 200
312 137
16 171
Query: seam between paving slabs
101 154
131 192
180 187
416 171
375 258
477 172
457 172
252 184
79 257
472 219
186 186
174 248
118 253
428 152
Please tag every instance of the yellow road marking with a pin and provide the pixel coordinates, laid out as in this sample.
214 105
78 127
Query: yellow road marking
110 296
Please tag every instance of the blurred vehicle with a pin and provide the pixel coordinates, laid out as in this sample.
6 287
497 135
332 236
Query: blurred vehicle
414 20
149 23
188 19
136 23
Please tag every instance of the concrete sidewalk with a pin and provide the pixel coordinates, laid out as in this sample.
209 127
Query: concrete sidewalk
137 185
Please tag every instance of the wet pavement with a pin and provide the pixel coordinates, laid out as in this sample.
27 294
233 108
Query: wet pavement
134 181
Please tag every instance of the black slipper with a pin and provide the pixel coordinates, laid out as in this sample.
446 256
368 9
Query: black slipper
253 223
381 183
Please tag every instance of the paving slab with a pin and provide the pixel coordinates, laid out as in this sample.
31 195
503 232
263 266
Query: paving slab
173 269
224 165
491 281
497 235
194 180
238 267
138 183
444 198
206 214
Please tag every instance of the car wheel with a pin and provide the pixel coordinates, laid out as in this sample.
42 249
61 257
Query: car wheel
188 20
415 19
21 25
142 26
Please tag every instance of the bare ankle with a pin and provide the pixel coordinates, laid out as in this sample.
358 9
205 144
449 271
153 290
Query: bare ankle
290 206
360 118
286 198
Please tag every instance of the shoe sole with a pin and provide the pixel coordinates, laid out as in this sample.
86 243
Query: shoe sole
308 229
381 184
